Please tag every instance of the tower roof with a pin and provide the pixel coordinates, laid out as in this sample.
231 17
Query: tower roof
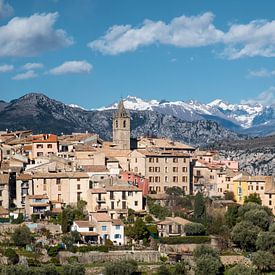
121 111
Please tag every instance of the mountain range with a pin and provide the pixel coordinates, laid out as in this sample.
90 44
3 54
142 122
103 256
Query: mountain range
39 113
244 118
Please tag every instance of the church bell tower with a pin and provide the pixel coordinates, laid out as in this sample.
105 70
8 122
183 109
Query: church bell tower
121 128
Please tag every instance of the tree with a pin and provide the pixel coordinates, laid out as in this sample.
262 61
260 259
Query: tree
174 191
231 215
258 218
272 228
194 229
22 236
253 198
70 239
163 270
181 268
121 268
263 260
266 241
207 264
203 250
137 231
12 256
244 234
158 211
199 207
229 195
240 269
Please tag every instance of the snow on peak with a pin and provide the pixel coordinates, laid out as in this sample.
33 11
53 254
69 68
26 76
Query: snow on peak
76 106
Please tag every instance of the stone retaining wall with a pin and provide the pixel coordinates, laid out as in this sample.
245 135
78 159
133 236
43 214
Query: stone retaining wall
101 257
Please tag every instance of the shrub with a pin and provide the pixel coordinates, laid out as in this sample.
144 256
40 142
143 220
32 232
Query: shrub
231 215
205 250
207 264
19 219
258 218
76 269
34 217
22 236
186 240
12 256
194 229
163 270
121 268
240 269
53 250
263 260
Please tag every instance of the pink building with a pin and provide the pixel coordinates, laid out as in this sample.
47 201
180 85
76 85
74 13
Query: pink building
137 180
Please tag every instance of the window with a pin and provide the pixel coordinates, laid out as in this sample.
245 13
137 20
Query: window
170 228
157 160
151 159
49 146
103 227
44 187
78 187
136 203
175 169
91 229
1 203
8 152
39 146
135 160
112 205
175 179
59 197
262 188
116 124
151 169
157 169
117 227
270 202
175 160
184 179
40 154
58 181
151 179
157 179
130 193
184 169
124 205
124 195
184 160
117 236
166 160
1 193
78 196
59 187
111 195
166 169
257 187
165 179
198 173
124 123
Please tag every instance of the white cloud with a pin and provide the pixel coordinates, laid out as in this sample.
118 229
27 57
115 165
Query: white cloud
261 73
265 98
33 66
6 68
29 36
182 31
6 10
26 75
256 38
72 67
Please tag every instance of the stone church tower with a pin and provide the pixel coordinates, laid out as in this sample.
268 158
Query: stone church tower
121 128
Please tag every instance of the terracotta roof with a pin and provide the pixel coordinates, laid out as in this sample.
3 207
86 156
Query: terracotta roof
98 190
117 222
114 153
91 233
122 188
254 178
60 175
44 138
162 153
101 217
24 177
44 196
84 148
4 178
94 168
178 220
82 224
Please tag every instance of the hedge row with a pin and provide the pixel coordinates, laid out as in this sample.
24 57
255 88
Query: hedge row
185 240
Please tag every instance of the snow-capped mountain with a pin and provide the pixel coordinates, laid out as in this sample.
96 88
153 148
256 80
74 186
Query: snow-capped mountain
233 116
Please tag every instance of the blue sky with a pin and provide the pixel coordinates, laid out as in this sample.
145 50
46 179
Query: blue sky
92 52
